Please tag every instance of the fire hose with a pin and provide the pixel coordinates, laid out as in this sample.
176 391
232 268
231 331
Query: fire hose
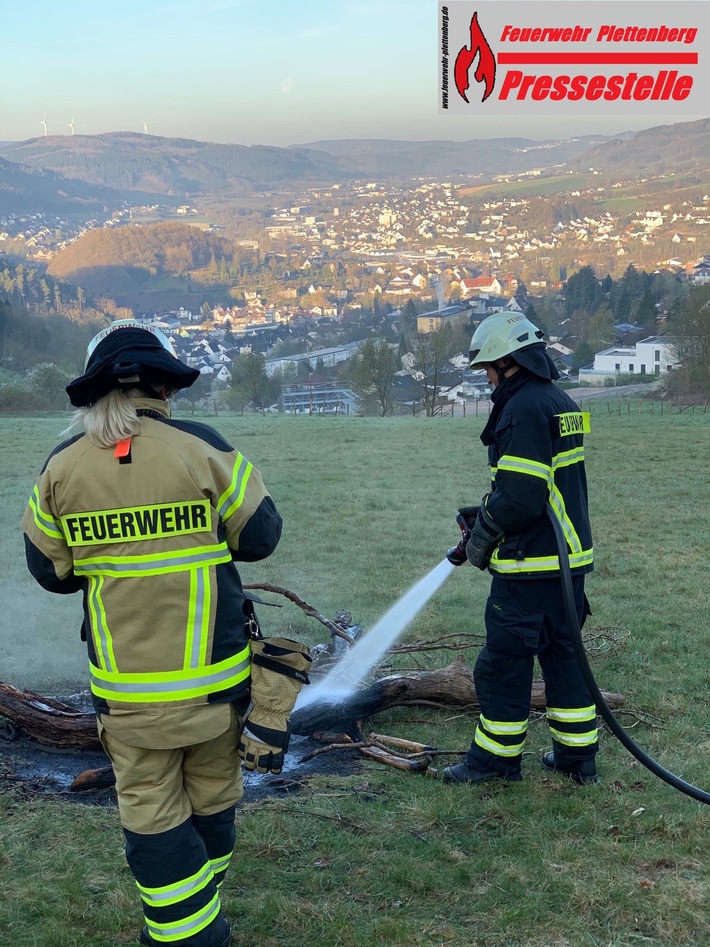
602 706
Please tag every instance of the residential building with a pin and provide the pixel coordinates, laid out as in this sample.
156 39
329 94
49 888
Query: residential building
654 355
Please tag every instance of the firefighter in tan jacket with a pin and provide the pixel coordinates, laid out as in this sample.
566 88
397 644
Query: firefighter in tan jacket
146 516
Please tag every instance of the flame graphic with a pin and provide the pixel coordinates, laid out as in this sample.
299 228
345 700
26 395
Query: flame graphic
486 71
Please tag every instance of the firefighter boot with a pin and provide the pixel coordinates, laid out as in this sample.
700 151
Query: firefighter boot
219 936
476 772
581 771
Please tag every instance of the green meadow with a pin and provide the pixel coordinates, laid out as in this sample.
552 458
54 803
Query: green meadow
379 856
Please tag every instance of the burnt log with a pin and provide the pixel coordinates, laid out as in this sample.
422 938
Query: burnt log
52 722
49 721
452 686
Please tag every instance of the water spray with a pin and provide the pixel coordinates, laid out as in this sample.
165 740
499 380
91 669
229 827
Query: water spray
343 680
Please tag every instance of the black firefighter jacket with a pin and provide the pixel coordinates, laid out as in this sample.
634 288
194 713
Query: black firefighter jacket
536 452
150 539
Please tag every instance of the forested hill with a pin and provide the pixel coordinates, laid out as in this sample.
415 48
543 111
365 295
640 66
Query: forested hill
125 256
666 149
26 190
172 166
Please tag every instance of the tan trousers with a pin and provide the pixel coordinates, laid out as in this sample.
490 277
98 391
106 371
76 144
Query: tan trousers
158 789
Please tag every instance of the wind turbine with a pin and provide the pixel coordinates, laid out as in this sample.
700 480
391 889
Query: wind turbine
44 123
71 125
145 127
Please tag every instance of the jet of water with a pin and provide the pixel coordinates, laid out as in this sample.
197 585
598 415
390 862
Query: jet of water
362 657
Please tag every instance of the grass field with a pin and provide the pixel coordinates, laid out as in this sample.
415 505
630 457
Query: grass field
555 184
383 857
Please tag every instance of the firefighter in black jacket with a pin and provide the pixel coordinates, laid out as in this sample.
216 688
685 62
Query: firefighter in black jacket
146 515
535 446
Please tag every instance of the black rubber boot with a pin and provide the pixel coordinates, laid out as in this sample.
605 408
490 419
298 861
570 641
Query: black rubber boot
581 771
220 936
463 772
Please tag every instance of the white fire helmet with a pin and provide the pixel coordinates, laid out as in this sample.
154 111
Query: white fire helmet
128 324
502 334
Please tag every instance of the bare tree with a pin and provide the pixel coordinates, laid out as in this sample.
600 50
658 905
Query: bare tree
431 352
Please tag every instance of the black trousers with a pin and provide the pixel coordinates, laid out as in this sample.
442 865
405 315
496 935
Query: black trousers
525 618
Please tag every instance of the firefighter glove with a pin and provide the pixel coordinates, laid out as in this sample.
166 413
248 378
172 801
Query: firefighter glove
469 513
279 669
485 536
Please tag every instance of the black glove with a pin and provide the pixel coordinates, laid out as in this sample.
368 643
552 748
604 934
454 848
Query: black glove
485 536
457 554
469 513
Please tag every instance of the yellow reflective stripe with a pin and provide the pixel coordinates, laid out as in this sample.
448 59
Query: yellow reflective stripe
182 929
540 563
221 864
44 521
198 619
578 715
233 496
135 524
159 563
161 686
179 890
498 748
574 739
568 457
574 422
558 504
525 466
103 643
503 726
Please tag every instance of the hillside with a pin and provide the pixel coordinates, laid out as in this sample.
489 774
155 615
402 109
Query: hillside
443 158
129 161
127 258
667 149
125 163
25 190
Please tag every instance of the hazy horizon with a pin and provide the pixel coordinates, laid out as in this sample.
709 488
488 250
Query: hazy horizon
242 72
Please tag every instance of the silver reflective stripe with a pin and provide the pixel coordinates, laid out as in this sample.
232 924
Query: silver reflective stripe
163 686
191 925
503 727
232 499
541 563
43 520
580 715
498 748
135 565
574 739
160 897
198 626
99 627
558 504
221 864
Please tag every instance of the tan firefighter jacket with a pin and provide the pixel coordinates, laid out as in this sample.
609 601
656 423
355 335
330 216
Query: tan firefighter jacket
150 538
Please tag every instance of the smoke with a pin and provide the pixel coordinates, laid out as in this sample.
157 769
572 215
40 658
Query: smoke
440 295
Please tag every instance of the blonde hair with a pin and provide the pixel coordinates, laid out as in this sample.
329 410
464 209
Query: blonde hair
109 420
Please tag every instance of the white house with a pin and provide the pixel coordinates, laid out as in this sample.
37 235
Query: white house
652 356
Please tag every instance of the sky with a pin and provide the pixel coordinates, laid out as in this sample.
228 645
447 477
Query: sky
272 72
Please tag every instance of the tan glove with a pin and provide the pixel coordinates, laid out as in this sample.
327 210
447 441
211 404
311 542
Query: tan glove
279 669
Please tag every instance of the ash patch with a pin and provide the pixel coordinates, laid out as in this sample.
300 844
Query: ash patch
31 769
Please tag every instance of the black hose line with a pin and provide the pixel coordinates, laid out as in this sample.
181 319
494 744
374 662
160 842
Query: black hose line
602 706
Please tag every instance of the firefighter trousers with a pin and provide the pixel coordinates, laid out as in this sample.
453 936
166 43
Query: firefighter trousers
526 619
177 808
